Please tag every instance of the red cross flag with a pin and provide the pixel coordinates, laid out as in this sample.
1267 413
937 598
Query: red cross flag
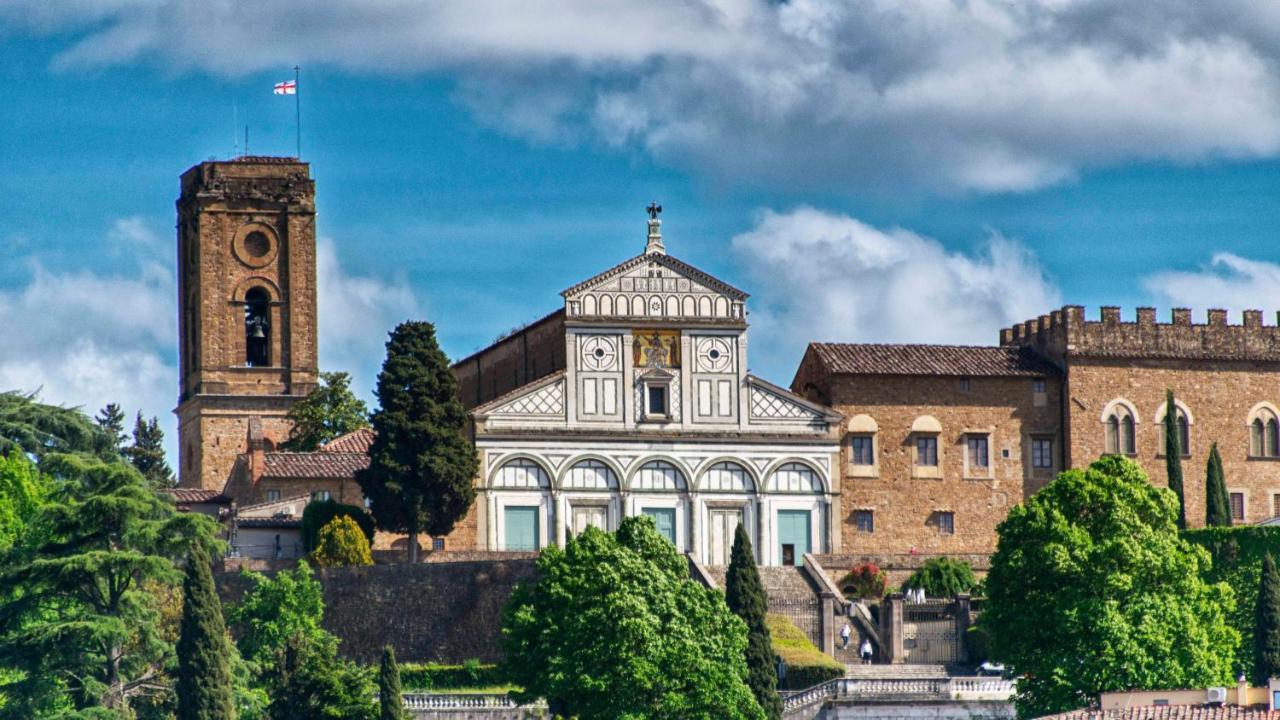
288 87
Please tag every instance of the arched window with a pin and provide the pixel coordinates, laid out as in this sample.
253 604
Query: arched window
1120 431
1264 434
658 475
257 328
795 478
590 475
1184 431
521 474
726 477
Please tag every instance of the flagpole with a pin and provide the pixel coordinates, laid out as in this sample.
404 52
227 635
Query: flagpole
297 107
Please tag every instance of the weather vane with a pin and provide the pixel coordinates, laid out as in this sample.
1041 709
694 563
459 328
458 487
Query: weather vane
654 210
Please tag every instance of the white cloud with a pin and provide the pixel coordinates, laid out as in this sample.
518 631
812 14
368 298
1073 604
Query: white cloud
85 339
825 277
984 95
1229 281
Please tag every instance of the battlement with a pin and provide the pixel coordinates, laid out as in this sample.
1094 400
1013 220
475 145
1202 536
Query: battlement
1067 332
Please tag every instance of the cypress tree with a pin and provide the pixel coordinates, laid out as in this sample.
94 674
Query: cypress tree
204 667
389 702
1217 504
1173 456
422 466
747 599
1266 629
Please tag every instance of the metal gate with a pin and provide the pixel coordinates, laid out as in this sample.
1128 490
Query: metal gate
929 632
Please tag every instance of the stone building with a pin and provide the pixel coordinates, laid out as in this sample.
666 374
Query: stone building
634 398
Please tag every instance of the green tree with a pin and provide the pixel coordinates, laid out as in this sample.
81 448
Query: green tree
22 491
274 609
1217 503
746 597
422 466
614 628
1173 455
82 623
204 662
111 420
327 412
942 577
390 704
308 681
1266 632
1093 589
319 513
341 543
147 453
39 429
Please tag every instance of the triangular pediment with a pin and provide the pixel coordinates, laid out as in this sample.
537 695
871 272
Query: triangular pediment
542 398
769 403
654 285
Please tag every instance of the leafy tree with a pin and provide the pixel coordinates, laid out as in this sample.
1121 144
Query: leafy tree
1266 634
341 543
147 453
614 628
1173 455
422 466
111 420
308 681
319 513
865 582
747 599
40 429
22 491
82 625
1217 503
204 663
1092 589
390 704
942 577
288 604
329 411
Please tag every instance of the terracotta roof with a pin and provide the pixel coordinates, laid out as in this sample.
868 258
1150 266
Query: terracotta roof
283 523
196 496
1172 712
356 441
954 360
314 464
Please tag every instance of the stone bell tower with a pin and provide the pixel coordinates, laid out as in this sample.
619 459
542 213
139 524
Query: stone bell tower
247 307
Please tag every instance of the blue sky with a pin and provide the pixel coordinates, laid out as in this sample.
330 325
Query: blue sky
922 172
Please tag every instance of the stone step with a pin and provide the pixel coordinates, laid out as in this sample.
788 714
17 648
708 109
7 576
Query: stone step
890 672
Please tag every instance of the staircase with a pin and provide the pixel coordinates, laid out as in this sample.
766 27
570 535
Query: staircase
898 672
790 593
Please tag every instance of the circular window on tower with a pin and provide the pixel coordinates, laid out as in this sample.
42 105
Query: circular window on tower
255 245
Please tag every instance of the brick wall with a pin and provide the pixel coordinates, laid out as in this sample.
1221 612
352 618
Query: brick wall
524 356
443 612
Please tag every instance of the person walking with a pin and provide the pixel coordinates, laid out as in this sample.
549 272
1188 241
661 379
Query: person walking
865 651
845 632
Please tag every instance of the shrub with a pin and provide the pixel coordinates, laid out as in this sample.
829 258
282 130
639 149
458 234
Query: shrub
341 543
978 642
942 577
806 665
865 582
435 676
1237 554
319 513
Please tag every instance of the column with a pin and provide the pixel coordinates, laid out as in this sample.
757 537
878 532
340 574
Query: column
492 516
693 525
891 630
561 518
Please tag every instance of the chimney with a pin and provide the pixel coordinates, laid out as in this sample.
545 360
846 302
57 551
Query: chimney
1253 318
1182 316
1110 315
1242 691
1218 317
1146 316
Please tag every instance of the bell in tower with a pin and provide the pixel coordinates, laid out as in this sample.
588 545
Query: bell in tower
246 277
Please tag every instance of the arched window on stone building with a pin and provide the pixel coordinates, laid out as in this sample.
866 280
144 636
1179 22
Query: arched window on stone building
1264 433
257 328
1184 428
1120 426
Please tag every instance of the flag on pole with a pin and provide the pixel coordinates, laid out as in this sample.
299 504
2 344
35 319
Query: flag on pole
288 87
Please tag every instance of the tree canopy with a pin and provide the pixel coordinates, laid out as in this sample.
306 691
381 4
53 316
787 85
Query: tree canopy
319 513
40 429
614 628
1266 627
341 543
1173 455
23 490
204 653
111 420
942 577
746 597
1217 502
1092 589
274 609
329 411
147 453
422 467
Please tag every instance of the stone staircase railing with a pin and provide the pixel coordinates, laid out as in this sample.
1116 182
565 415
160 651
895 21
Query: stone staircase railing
957 688
461 701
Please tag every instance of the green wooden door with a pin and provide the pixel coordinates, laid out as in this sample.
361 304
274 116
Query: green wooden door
665 519
793 536
521 525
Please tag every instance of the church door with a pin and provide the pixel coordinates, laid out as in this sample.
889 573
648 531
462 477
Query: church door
521 525
793 536
665 519
724 523
585 516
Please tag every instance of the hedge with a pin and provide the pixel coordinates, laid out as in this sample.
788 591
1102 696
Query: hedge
319 513
1237 560
806 665
435 676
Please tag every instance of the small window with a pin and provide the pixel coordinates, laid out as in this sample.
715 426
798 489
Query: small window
1264 436
1275 505
860 450
437 544
965 384
1237 506
273 495
657 400
979 459
1042 453
257 328
927 450
946 522
1120 434
321 495
1037 386
864 521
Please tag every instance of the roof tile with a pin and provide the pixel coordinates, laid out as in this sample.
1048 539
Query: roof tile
314 464
356 441
1172 712
956 360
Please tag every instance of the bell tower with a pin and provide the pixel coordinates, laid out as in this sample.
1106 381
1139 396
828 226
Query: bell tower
247 307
